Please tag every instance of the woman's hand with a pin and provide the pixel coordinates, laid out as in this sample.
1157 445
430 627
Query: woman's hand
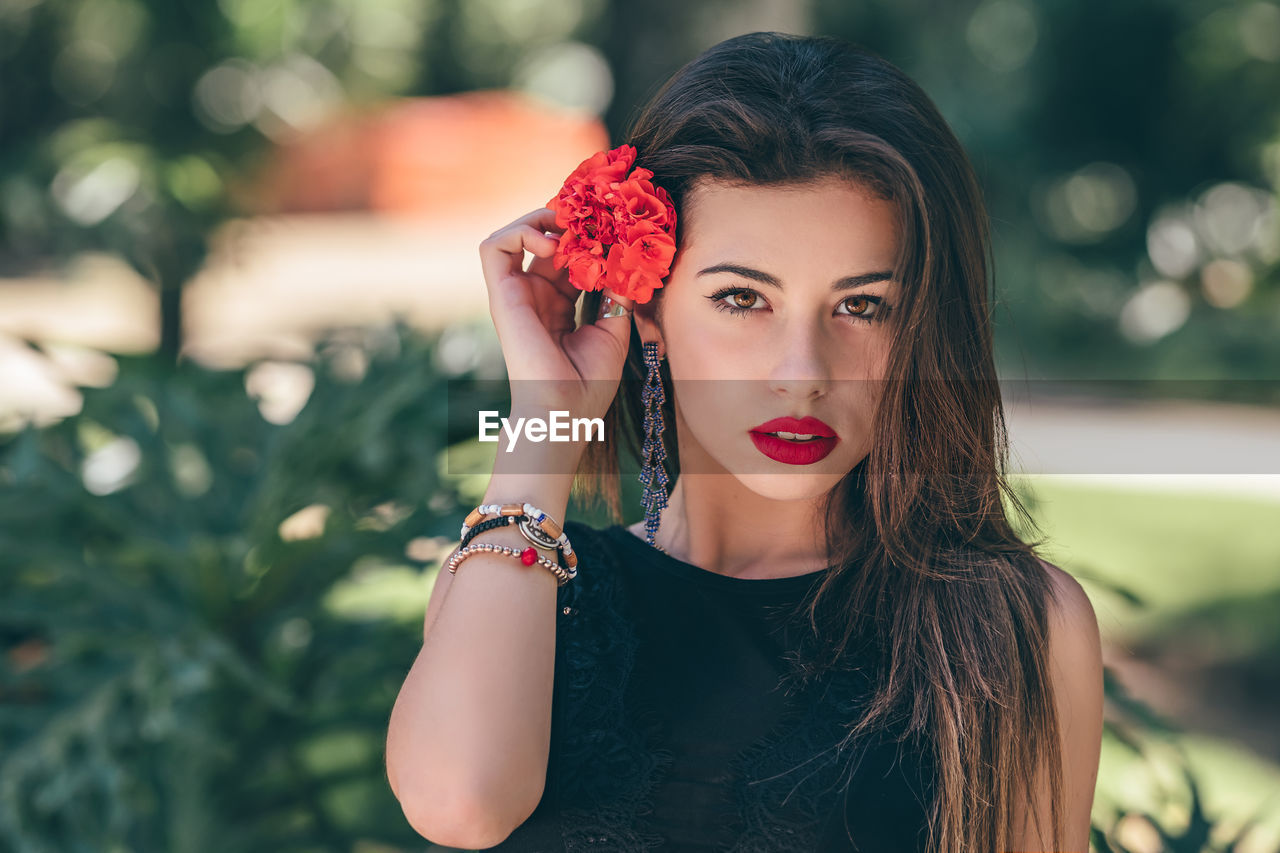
551 364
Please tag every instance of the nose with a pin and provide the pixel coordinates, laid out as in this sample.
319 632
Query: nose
801 370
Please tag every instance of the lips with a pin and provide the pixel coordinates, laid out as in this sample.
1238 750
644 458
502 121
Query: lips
793 451
806 425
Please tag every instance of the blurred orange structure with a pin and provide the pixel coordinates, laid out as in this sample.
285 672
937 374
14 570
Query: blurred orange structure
466 155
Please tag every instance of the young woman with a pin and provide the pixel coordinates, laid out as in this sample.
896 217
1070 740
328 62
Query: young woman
828 636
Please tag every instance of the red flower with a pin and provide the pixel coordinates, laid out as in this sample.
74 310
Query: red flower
618 227
635 268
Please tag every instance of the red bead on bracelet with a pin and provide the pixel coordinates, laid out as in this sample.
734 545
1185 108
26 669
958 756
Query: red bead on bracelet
529 556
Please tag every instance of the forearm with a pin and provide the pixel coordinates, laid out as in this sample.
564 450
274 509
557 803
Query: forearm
470 731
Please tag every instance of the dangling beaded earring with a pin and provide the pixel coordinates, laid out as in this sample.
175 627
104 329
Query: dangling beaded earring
653 473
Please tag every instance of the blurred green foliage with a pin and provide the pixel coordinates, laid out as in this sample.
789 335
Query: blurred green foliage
136 126
1194 837
175 677
1130 157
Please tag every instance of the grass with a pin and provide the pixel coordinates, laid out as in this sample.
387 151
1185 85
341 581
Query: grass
1192 559
1177 551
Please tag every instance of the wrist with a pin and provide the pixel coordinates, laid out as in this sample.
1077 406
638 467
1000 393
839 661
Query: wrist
547 492
534 443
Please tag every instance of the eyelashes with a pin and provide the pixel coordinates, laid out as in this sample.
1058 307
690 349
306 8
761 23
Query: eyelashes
880 308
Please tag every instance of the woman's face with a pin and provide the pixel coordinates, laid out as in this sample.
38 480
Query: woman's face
776 306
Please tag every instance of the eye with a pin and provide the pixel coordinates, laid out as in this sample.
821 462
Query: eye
744 300
865 307
741 300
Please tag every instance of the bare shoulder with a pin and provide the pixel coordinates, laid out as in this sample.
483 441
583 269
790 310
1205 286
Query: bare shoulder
1075 642
1072 619
1075 662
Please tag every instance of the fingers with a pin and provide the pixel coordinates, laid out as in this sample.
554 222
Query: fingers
511 291
616 325
528 233
542 218
543 266
502 252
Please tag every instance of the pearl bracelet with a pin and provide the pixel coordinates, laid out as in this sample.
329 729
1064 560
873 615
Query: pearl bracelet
528 556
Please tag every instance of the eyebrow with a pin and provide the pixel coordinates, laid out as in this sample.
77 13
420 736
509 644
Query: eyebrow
847 283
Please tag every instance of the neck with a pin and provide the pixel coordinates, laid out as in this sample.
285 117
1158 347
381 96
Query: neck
715 523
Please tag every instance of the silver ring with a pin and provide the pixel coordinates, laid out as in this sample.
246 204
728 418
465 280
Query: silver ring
610 307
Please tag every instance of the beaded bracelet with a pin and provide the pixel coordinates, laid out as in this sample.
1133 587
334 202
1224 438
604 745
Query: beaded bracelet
528 556
491 524
535 525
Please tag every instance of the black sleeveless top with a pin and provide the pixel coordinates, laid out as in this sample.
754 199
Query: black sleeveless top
676 726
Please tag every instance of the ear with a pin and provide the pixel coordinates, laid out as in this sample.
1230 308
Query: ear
646 315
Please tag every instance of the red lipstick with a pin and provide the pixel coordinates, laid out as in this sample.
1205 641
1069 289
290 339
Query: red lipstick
792 451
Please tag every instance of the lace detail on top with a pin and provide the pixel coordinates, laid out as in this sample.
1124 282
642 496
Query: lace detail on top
791 783
605 760
598 729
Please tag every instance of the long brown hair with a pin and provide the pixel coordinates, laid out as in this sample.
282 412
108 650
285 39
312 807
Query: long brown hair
928 567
